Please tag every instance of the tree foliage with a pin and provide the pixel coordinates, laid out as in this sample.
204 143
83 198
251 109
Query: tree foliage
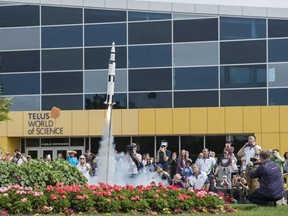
5 103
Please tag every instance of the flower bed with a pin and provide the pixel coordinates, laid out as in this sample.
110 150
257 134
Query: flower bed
105 199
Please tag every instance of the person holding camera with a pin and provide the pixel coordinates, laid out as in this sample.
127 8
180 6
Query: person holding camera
18 158
277 159
163 155
271 182
134 159
250 149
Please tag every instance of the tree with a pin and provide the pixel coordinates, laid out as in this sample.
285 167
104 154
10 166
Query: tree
5 103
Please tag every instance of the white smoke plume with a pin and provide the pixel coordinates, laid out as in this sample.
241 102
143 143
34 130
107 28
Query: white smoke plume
116 168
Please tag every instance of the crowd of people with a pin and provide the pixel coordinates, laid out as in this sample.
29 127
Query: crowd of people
250 176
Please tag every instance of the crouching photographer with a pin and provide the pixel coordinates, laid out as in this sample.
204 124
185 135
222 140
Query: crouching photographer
271 182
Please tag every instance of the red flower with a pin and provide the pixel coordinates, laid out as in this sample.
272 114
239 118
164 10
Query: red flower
122 197
53 197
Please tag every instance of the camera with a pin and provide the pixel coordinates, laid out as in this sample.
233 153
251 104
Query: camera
18 155
239 180
253 159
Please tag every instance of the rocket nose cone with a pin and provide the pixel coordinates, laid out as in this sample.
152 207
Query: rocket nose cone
113 47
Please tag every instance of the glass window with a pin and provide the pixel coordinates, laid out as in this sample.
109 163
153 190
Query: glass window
20 84
278 96
173 143
193 144
251 97
150 100
137 16
67 82
196 99
277 50
196 78
149 32
121 143
96 81
95 145
277 28
20 38
60 15
96 101
25 103
150 56
196 54
277 75
64 36
64 102
216 144
243 52
105 34
77 142
151 79
33 142
144 145
243 76
100 16
70 59
20 61
98 58
242 28
195 30
20 15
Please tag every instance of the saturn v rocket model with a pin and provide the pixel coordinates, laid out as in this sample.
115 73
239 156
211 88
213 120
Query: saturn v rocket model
111 77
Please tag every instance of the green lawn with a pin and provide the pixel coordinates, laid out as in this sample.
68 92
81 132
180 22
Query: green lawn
253 210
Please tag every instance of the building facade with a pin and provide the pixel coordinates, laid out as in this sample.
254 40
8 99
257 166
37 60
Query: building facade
193 72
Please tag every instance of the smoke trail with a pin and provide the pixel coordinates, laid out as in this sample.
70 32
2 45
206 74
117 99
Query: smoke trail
117 168
106 156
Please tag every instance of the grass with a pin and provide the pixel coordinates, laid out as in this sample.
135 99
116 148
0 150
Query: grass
243 210
254 210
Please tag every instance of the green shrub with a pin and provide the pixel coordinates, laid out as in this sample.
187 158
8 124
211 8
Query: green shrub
39 174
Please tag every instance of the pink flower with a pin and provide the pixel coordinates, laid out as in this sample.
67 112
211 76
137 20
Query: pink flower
85 196
5 194
23 200
107 200
156 196
122 197
79 197
53 197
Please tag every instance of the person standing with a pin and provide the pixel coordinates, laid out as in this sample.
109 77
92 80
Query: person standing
163 155
18 158
277 159
286 162
250 149
83 167
271 182
173 163
71 158
134 159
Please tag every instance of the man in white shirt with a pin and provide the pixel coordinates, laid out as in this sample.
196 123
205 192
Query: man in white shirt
18 158
250 149
206 163
198 180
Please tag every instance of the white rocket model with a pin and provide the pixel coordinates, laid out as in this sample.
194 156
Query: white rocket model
111 77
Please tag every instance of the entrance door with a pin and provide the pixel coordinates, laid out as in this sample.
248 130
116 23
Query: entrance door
33 152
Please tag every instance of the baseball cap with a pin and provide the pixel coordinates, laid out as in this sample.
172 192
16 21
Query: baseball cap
164 143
